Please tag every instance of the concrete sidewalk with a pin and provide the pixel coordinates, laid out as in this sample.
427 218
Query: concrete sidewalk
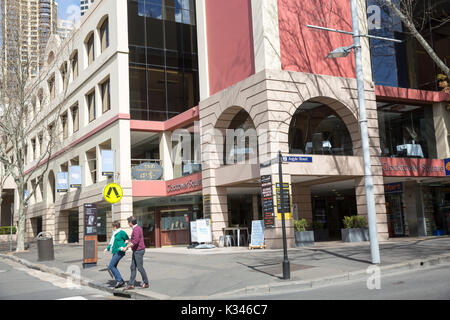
181 273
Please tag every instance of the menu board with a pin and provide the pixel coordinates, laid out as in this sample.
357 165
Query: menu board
267 201
286 198
257 238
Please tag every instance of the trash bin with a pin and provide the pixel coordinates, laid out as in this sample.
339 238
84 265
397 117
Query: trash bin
45 246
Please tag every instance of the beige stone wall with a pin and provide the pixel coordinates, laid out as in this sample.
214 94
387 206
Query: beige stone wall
271 97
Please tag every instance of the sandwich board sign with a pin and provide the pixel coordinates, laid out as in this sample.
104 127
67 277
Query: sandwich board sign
203 227
257 239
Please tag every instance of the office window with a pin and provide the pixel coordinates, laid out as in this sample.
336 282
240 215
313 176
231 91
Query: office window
51 87
41 142
33 147
106 99
104 35
75 117
64 75
65 125
90 100
75 65
163 66
90 49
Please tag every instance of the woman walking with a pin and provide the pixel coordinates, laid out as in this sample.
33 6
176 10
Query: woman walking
117 247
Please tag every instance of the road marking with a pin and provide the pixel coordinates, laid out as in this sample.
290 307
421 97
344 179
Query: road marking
73 298
1 271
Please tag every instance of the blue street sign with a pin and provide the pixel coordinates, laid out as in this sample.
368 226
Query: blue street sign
296 159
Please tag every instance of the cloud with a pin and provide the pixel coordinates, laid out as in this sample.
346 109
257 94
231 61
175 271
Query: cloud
73 13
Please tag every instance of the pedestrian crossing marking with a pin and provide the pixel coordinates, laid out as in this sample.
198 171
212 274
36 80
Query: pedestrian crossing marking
112 193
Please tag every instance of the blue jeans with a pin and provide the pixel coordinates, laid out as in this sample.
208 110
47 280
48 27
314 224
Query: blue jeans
113 265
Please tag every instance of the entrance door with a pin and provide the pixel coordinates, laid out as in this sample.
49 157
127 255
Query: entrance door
174 226
395 206
147 222
73 227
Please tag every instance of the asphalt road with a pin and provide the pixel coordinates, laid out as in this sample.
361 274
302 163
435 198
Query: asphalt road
432 283
18 282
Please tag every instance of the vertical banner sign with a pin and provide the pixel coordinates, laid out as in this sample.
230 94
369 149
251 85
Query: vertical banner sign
107 162
62 181
90 235
286 201
206 206
267 201
75 176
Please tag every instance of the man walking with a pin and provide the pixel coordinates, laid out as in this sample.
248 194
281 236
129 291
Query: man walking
137 245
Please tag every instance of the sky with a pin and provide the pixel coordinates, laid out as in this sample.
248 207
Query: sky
69 9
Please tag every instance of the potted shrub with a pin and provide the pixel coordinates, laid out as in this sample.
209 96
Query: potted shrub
320 233
303 237
355 229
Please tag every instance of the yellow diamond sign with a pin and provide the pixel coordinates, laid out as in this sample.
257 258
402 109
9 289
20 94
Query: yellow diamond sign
112 193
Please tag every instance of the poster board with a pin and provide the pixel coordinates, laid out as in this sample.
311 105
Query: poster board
194 231
257 239
90 235
203 227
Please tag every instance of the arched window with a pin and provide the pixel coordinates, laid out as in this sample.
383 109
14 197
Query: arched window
104 34
240 143
317 129
90 52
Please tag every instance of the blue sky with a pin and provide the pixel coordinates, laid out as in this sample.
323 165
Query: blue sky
68 9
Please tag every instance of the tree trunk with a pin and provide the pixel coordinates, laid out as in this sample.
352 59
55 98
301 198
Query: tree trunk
21 222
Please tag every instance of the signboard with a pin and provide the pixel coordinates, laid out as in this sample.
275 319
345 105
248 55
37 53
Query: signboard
75 176
112 193
286 201
194 231
257 238
90 235
296 159
267 201
393 188
107 162
62 181
447 166
414 167
147 171
206 205
204 230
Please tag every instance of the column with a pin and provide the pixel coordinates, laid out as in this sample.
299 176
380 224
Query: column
165 154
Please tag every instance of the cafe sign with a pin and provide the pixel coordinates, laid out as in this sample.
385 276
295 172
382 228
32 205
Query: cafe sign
147 171
405 167
188 186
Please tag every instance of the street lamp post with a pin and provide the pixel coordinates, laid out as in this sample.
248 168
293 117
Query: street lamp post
368 180
286 266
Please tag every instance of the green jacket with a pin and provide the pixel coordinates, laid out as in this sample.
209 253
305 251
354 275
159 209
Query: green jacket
119 242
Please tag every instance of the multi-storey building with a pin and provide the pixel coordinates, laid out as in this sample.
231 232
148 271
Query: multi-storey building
28 23
64 28
141 69
84 6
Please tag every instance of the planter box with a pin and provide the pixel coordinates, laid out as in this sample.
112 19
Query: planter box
321 235
355 235
6 237
304 238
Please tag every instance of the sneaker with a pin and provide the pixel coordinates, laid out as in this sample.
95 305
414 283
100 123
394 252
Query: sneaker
145 285
119 284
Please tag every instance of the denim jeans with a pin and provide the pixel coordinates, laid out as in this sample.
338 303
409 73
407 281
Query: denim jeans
137 261
113 265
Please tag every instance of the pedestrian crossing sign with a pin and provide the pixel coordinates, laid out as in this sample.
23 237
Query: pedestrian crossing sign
112 193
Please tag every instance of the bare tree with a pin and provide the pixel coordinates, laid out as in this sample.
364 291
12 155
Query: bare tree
26 112
408 12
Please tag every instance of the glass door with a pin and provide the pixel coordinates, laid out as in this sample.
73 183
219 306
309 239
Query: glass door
147 222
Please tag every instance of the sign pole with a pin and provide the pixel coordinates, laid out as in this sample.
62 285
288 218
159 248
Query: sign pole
286 266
